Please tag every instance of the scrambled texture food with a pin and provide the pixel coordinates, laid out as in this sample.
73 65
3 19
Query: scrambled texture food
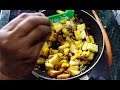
69 49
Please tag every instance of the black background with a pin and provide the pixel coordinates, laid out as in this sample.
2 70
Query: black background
58 4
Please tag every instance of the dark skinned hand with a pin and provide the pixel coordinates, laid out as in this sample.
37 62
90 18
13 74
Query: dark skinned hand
20 43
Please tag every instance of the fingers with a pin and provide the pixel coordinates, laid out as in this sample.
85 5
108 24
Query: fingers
39 14
41 33
12 24
35 50
30 23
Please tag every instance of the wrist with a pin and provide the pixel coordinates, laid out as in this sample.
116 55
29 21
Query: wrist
6 77
7 73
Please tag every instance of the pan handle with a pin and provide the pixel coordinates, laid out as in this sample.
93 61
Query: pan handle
106 39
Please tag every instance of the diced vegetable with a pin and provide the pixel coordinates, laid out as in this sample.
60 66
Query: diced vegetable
58 27
83 34
63 61
77 35
50 56
86 53
92 47
73 57
65 65
66 45
85 46
60 11
64 30
54 51
60 55
72 48
77 43
40 61
68 40
78 52
49 66
61 70
91 56
54 59
53 73
63 76
74 72
45 50
91 39
73 68
73 63
66 51
88 39
81 27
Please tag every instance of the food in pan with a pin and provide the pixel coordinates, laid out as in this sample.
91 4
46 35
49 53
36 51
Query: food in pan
69 49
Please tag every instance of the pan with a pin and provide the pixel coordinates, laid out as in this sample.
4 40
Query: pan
96 32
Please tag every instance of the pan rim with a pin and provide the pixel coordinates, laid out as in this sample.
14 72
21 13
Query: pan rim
90 68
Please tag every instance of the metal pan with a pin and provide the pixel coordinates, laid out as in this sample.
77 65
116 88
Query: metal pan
95 31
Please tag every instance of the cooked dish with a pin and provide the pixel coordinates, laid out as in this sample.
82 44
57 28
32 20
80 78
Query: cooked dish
69 49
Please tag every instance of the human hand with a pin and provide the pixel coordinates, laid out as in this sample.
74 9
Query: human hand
20 43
